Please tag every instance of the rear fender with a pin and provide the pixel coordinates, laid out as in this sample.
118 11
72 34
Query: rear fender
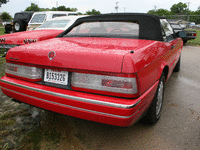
164 68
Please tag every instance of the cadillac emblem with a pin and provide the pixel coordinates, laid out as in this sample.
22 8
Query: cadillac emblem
51 55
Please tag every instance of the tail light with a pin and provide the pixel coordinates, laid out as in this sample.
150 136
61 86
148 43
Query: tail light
25 72
7 46
104 84
194 34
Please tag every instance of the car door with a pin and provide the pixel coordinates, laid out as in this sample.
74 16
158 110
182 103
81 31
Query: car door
172 43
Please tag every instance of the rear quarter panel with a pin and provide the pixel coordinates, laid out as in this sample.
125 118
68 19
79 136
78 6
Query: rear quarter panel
150 61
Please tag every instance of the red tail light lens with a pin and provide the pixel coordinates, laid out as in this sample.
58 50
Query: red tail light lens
117 84
26 72
194 34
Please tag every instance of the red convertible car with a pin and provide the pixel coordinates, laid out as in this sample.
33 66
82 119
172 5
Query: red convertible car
49 29
108 68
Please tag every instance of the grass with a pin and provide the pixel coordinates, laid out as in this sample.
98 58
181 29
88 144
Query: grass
5 122
49 136
2 31
2 51
195 41
2 66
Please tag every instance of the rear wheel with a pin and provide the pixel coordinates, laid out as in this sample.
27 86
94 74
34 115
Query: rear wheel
154 111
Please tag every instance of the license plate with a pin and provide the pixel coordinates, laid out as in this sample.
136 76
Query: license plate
55 76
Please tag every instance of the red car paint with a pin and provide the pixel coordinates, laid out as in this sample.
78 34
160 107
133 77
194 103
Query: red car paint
112 52
104 52
19 37
120 116
143 59
75 51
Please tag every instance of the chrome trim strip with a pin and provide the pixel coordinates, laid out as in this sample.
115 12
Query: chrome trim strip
8 46
82 109
74 97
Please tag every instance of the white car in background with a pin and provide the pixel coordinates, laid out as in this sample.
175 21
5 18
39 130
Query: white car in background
50 29
39 18
59 23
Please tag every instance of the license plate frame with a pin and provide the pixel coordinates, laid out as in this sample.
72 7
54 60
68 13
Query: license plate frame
56 77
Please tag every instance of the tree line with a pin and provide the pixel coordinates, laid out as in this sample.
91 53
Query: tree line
180 9
176 9
34 7
3 2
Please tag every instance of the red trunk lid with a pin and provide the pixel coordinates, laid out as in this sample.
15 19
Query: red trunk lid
97 54
19 37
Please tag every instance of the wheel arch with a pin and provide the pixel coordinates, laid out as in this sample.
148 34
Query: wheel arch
165 70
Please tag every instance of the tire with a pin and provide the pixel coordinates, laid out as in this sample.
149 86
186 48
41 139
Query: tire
178 65
19 26
8 28
185 41
154 111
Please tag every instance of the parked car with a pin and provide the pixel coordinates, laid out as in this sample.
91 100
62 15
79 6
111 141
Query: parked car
109 68
197 26
19 23
192 24
50 29
39 18
191 34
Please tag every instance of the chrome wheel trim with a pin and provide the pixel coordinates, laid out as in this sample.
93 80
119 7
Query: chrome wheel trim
159 98
17 26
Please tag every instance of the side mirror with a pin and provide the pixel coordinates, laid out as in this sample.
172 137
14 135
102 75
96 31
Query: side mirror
181 34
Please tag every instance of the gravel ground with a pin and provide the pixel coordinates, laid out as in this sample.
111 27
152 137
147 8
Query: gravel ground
16 120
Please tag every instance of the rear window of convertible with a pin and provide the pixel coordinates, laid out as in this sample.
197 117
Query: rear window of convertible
105 29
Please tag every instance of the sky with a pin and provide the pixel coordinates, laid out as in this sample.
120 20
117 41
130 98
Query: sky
104 6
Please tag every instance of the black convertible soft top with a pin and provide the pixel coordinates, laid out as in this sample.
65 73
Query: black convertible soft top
150 26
